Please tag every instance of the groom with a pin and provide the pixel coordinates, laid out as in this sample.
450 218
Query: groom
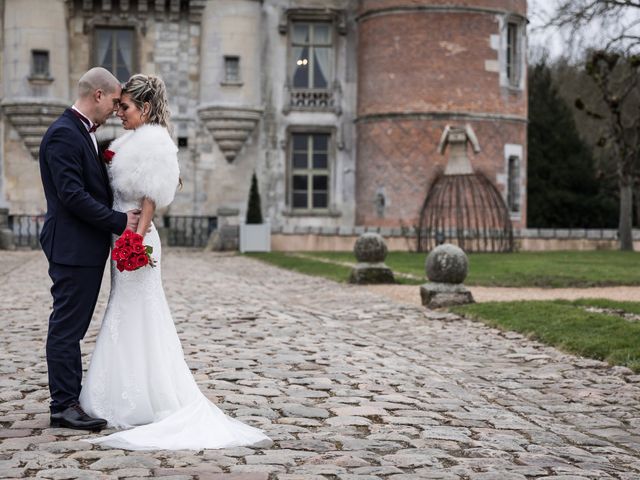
76 236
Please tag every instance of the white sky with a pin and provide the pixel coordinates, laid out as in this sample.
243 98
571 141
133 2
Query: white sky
541 11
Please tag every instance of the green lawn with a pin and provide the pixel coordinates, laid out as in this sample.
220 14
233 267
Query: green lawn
337 273
523 269
568 326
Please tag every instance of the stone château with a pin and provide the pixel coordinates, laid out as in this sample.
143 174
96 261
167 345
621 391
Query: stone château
337 105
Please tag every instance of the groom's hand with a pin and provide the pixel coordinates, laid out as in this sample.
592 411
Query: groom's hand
133 217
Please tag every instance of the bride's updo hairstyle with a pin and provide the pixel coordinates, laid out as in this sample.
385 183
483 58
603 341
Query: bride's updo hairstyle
149 88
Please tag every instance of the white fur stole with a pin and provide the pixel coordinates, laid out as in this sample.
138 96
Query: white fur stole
145 164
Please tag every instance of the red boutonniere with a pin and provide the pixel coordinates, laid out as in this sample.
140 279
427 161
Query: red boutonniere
130 254
108 155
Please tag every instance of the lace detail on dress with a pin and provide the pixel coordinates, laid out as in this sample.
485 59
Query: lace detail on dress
100 404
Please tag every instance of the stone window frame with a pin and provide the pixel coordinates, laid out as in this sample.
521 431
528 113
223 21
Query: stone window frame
137 29
513 184
332 60
513 152
326 99
336 17
512 72
227 81
44 75
330 210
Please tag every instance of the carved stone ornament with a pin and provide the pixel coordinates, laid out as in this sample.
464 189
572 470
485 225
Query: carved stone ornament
91 8
31 117
230 126
339 17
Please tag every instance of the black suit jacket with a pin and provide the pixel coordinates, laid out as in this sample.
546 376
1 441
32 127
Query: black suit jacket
79 221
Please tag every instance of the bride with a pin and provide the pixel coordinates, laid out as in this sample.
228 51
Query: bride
138 379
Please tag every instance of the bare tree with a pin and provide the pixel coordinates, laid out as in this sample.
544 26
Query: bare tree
617 77
617 20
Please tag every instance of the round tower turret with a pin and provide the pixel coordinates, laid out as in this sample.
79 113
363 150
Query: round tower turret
424 65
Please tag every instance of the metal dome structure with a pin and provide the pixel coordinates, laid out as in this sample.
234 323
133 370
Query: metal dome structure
463 206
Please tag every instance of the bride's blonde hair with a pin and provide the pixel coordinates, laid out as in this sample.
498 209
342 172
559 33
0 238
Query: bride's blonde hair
149 88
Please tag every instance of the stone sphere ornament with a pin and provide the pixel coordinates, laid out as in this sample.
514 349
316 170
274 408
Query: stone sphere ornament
447 266
370 247
447 263
370 251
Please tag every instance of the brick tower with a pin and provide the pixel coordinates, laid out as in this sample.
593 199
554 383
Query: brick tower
426 64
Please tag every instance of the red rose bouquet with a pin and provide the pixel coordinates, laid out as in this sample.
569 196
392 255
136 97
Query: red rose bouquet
130 254
108 155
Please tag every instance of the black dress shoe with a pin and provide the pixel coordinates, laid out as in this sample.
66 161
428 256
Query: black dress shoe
75 417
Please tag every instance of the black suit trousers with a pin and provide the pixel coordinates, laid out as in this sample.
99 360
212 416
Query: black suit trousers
75 293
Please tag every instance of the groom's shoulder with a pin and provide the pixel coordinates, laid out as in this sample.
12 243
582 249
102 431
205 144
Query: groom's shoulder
61 131
63 125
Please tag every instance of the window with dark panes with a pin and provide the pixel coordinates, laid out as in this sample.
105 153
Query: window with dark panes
114 51
513 184
310 171
513 54
312 51
40 63
231 69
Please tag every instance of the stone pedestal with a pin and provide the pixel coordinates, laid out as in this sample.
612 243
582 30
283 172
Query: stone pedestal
370 251
436 295
446 266
7 242
371 273
227 236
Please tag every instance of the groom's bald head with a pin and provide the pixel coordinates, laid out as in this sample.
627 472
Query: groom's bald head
97 78
98 95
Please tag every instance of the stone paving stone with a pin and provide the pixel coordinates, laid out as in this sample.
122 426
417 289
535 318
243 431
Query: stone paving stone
305 412
349 386
73 474
133 461
64 446
187 471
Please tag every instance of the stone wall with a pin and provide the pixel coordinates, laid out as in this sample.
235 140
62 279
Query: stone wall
397 84
531 240
29 103
280 119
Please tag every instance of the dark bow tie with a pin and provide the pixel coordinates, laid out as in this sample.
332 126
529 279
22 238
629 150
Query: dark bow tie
85 120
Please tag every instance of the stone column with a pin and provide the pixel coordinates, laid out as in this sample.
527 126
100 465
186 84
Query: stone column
226 236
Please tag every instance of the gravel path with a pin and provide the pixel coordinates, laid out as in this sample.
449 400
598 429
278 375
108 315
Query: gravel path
411 293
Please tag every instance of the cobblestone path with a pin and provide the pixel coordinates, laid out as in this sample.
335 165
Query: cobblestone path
349 386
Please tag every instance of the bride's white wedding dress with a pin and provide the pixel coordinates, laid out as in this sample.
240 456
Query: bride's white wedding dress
138 379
